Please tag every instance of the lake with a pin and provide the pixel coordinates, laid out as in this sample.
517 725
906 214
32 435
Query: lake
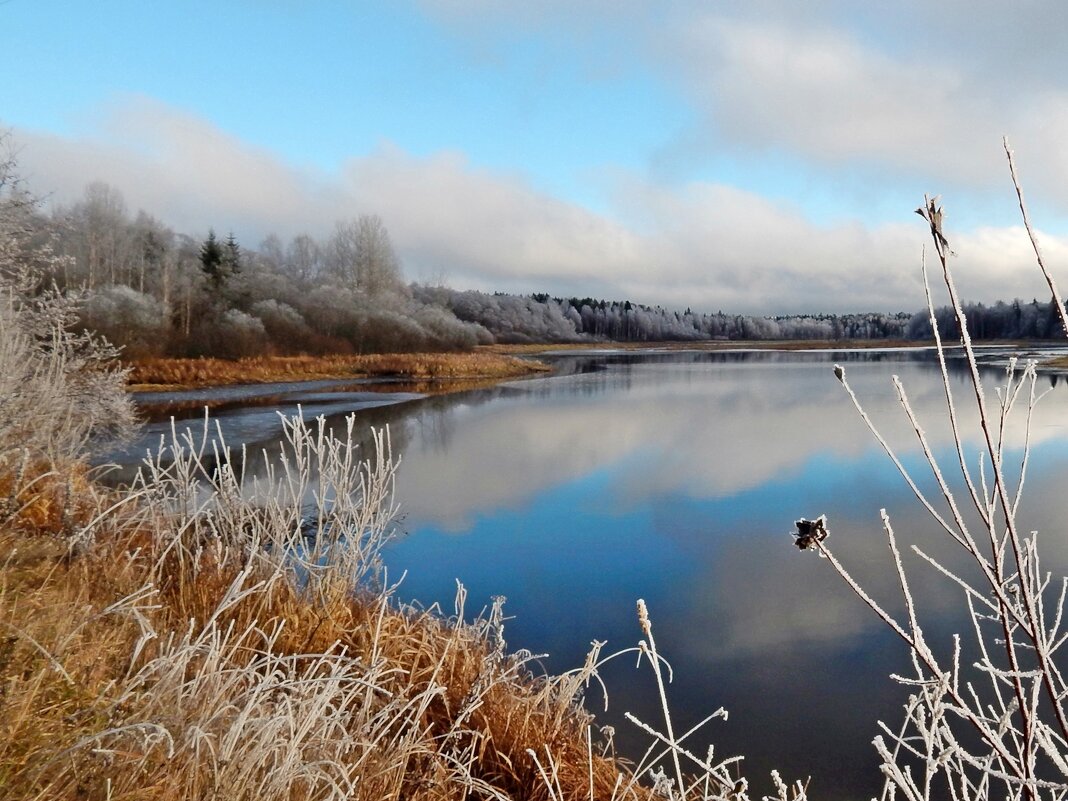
676 476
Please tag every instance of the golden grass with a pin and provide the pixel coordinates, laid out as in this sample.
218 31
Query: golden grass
90 710
486 364
264 369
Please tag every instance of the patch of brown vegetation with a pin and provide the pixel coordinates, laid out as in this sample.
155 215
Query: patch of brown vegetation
100 697
147 373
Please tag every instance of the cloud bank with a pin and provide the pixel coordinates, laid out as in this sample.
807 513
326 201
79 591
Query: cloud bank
699 244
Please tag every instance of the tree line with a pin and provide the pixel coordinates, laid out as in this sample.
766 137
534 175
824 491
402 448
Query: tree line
541 318
155 292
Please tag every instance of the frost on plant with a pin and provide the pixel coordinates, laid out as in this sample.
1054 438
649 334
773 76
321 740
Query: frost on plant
810 533
997 727
59 388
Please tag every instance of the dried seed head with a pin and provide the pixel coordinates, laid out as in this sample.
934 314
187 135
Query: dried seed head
643 617
810 533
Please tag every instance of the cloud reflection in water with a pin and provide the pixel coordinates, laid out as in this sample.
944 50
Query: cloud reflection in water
676 478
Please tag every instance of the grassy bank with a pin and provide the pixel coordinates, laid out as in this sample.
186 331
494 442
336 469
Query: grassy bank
480 365
166 654
487 363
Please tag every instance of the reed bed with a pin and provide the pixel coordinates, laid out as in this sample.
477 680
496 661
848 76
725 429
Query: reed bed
216 637
264 369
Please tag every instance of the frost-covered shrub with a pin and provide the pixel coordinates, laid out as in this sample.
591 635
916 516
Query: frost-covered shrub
59 389
331 311
381 331
240 334
122 314
445 332
285 326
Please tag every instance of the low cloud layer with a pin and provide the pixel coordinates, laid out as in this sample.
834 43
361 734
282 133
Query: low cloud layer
704 245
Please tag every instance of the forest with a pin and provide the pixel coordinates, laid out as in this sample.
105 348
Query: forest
156 292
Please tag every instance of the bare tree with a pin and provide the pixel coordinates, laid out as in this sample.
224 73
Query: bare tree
96 234
304 259
361 254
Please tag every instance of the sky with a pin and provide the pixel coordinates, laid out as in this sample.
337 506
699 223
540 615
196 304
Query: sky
755 157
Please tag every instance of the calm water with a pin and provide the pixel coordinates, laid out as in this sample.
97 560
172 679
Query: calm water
676 477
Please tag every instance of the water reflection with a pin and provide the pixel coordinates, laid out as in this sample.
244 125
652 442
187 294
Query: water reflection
675 476
696 423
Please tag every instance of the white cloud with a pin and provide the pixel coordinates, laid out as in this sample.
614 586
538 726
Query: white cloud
179 167
913 93
821 92
882 101
491 229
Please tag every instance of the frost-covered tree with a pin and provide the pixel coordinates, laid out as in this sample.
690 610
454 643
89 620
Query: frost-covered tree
361 255
59 388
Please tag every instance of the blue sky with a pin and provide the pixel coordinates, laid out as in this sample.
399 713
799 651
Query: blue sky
744 156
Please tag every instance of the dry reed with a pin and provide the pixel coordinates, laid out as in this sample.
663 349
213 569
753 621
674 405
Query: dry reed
263 369
227 637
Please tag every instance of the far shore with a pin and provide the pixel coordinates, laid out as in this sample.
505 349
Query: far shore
424 368
444 372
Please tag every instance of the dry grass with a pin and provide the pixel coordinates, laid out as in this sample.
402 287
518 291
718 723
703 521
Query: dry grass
216 638
264 369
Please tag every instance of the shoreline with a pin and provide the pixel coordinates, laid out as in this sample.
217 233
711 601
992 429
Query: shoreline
154 375
437 373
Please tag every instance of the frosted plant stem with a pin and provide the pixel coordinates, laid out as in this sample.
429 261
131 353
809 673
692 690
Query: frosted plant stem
966 538
654 657
914 624
1034 239
1031 401
919 650
940 350
840 372
1001 491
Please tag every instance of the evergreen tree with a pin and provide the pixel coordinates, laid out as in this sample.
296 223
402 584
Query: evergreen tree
211 260
231 257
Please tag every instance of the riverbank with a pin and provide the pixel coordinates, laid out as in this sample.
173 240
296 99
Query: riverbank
205 634
160 654
485 364
710 345
442 372
158 374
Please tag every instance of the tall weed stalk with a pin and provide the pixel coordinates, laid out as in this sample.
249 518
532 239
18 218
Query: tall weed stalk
997 727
